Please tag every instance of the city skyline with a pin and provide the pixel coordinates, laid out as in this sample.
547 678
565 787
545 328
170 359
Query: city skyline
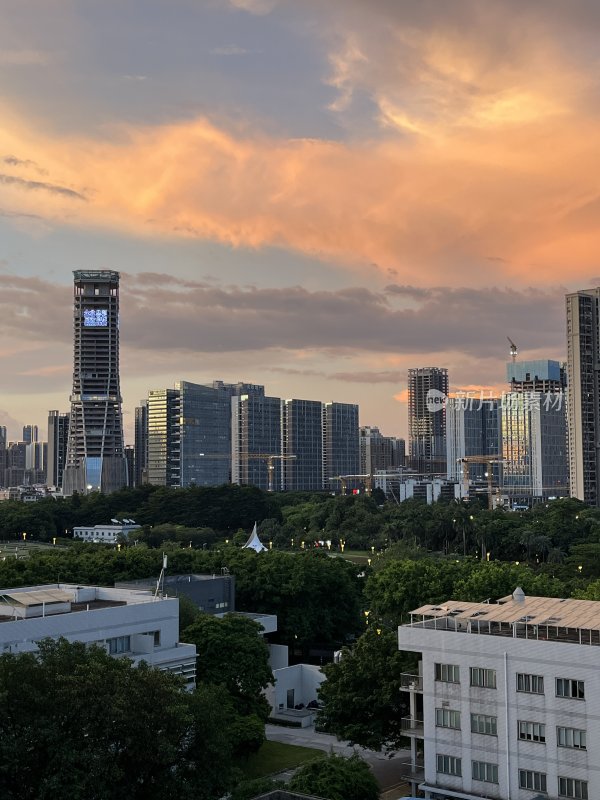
315 197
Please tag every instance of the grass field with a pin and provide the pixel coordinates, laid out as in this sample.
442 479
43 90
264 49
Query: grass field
16 549
276 757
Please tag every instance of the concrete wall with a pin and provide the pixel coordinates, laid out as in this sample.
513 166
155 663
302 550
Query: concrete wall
304 679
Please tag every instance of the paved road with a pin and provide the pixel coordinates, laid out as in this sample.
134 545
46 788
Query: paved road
386 770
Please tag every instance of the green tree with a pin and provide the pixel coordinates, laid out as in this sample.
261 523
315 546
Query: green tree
401 586
336 778
75 722
362 700
232 653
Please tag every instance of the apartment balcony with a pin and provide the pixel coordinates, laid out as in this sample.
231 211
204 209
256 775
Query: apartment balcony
411 769
409 682
412 726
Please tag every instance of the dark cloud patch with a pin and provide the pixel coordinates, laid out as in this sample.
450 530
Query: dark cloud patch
160 313
40 185
13 161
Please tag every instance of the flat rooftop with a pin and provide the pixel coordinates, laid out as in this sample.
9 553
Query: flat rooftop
519 616
64 598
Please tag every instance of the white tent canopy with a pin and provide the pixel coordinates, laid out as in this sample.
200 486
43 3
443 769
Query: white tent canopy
254 543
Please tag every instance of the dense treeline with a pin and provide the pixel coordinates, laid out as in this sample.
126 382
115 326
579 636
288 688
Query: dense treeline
204 517
222 508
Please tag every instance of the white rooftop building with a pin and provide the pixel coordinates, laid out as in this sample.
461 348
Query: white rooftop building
132 624
105 534
506 700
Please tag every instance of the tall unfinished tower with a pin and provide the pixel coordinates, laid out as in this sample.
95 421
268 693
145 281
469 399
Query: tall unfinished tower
95 455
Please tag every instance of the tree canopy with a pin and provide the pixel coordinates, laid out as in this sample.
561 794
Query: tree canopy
77 723
232 653
362 700
336 778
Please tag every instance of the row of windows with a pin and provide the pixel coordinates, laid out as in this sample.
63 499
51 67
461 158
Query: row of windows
487 772
528 731
532 684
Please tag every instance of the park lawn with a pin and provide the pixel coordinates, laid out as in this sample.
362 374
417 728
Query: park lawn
276 757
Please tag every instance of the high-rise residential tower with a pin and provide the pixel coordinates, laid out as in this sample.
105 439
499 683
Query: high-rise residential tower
95 452
379 452
427 393
583 394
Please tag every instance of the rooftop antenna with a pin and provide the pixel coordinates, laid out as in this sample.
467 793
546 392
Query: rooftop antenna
160 583
514 351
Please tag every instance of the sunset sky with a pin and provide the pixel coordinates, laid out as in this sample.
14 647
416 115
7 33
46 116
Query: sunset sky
314 195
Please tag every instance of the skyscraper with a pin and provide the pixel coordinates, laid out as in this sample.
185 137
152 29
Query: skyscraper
540 375
30 434
256 429
341 445
534 446
427 390
472 429
58 435
164 441
95 453
379 452
189 432
302 426
140 475
583 394
3 455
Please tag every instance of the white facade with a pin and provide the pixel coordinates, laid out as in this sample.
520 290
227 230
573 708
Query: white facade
105 534
533 729
127 623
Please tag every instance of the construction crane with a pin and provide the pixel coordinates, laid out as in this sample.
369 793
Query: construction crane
488 461
513 349
270 458
343 479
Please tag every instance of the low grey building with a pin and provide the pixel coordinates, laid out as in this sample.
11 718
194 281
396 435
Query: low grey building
213 594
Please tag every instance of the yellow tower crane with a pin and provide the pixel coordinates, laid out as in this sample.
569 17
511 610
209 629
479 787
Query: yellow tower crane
488 461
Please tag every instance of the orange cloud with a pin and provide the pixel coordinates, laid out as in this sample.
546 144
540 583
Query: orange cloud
486 167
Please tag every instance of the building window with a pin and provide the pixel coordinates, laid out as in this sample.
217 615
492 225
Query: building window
532 731
484 771
485 678
566 687
119 644
534 781
481 723
447 673
571 737
444 718
449 765
533 684
571 787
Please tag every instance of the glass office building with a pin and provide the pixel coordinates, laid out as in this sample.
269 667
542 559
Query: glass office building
302 425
